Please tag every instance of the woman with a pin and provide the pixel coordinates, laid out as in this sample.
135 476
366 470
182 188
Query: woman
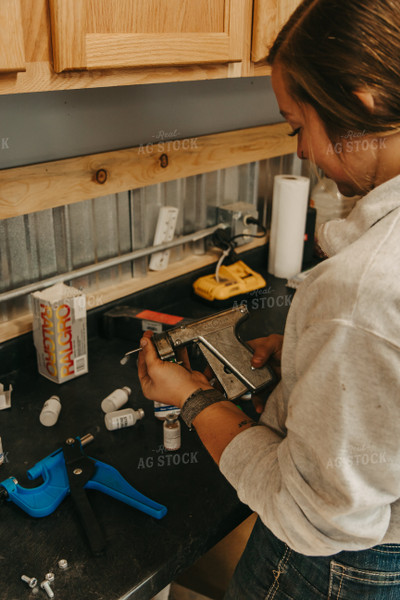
322 466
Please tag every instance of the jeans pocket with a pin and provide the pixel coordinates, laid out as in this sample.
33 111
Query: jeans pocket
350 583
386 549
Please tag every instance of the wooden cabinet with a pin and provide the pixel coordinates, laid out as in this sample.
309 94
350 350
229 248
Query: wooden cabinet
12 52
70 44
269 17
105 34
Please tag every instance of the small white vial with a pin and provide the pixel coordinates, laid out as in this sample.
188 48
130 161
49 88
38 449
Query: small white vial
116 399
50 411
123 418
161 411
1 452
172 432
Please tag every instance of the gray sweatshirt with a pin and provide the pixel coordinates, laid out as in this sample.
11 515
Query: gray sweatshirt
322 469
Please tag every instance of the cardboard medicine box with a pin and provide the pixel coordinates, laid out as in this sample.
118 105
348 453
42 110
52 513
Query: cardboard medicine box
59 332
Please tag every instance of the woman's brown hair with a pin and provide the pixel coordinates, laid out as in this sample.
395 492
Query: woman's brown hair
331 48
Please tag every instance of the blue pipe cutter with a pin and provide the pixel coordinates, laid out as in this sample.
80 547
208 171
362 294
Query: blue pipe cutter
69 470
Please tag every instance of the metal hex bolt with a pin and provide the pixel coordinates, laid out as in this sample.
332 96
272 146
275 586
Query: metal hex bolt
31 581
45 585
49 577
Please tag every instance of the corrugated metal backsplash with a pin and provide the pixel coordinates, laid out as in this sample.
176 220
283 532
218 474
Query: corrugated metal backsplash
39 245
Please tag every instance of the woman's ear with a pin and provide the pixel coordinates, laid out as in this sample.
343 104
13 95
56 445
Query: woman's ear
366 98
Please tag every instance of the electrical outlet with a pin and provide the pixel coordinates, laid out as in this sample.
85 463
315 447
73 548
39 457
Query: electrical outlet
165 230
235 216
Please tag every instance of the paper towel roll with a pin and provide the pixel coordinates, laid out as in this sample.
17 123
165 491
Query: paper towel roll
288 222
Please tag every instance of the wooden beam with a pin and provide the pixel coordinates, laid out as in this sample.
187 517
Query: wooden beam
32 188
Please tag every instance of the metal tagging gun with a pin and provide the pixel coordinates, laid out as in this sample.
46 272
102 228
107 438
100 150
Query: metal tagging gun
218 339
69 470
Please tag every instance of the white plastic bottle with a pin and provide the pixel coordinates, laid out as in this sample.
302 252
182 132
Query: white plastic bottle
50 411
172 432
120 419
116 399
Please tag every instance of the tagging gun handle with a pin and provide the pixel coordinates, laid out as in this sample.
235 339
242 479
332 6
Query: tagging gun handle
228 356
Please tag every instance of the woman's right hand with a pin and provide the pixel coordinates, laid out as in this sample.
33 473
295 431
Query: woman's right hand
266 349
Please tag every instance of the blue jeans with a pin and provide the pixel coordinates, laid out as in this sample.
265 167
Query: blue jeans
270 570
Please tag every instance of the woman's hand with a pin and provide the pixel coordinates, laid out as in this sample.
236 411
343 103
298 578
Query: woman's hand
266 349
163 381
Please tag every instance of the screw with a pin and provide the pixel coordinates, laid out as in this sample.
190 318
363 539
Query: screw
63 564
77 471
49 577
45 585
70 441
31 581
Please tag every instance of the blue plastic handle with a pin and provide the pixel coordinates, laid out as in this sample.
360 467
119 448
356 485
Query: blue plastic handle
109 481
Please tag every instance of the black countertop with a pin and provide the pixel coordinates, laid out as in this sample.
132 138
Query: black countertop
143 554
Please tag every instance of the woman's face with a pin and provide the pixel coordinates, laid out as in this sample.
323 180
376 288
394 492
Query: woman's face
352 159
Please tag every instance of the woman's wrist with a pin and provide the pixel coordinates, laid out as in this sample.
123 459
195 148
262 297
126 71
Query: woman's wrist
186 392
198 400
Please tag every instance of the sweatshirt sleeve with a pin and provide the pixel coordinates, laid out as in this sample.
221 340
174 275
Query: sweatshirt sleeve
325 481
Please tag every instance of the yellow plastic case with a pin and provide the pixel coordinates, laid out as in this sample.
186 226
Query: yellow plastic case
235 279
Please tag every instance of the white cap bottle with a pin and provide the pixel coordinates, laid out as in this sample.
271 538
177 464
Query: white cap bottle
50 411
123 418
172 432
116 399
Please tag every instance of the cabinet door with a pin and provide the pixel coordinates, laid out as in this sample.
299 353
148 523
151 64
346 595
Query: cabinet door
102 34
12 53
269 17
